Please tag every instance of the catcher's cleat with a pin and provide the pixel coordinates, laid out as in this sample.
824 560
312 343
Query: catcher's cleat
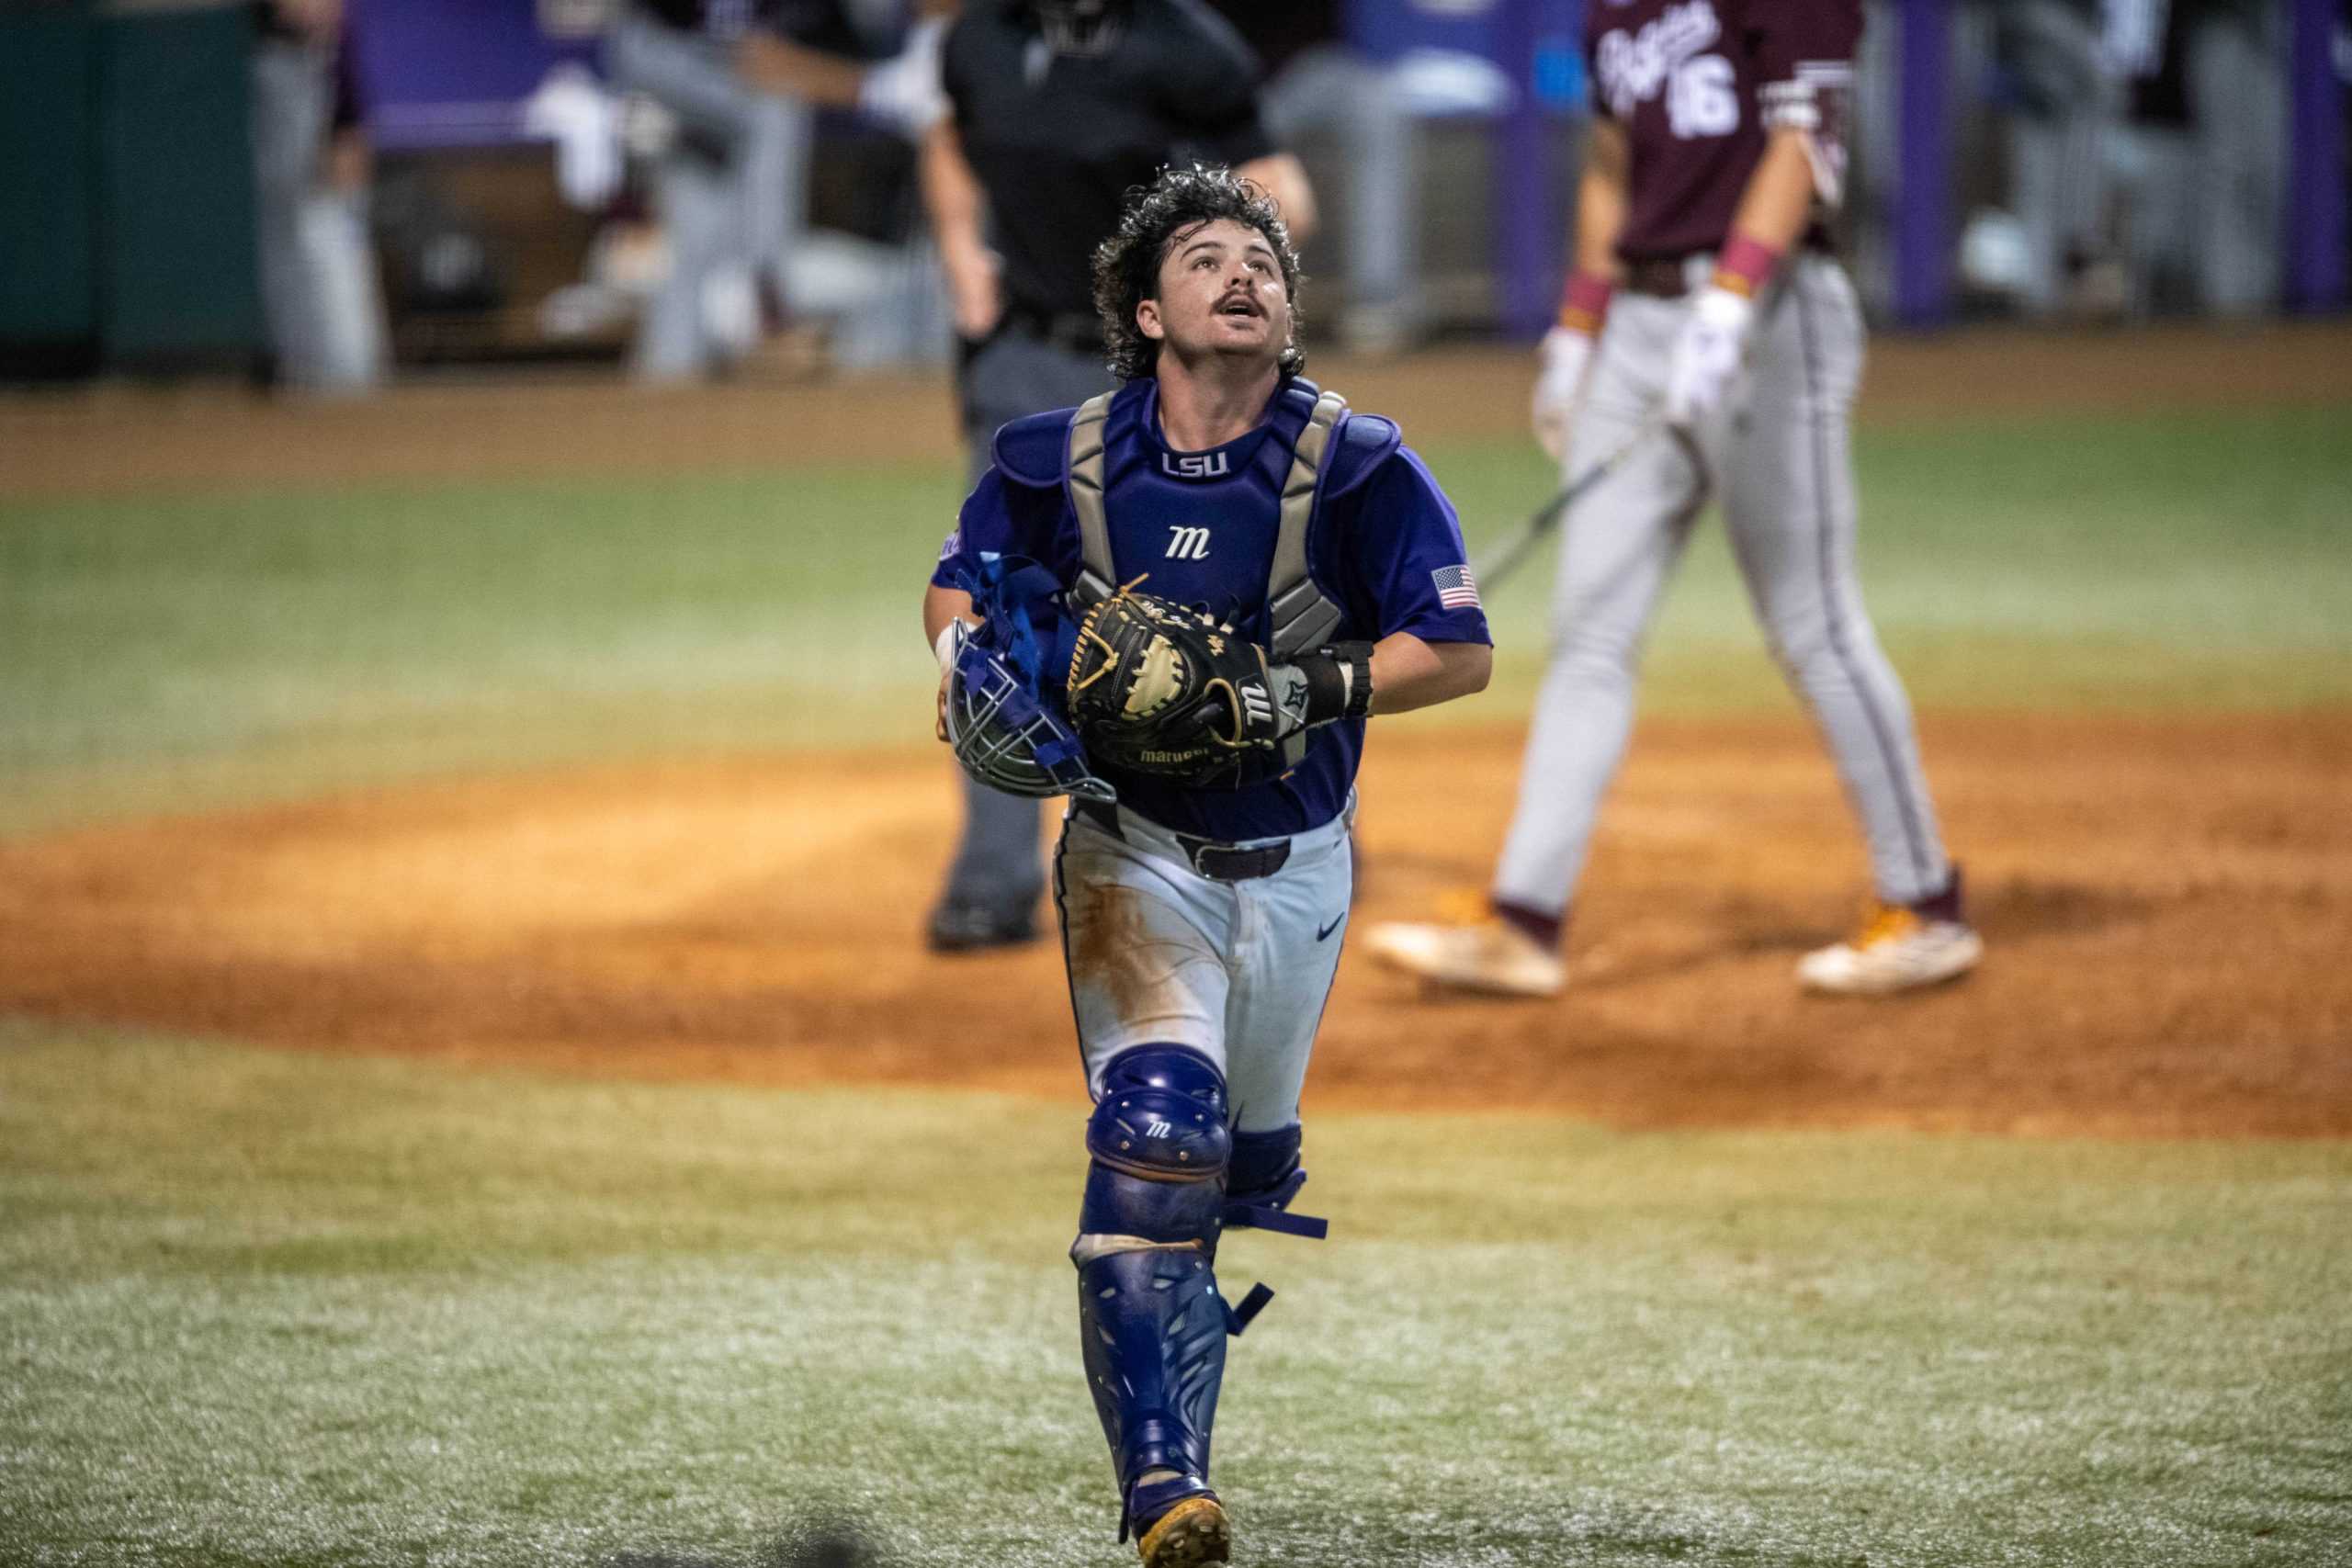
1195 1530
974 928
1898 948
1488 956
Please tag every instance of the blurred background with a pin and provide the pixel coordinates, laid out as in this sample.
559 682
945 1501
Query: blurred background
332 197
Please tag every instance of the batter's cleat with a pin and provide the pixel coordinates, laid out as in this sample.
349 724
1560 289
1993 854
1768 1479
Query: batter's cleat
1195 1530
1898 948
974 928
1490 957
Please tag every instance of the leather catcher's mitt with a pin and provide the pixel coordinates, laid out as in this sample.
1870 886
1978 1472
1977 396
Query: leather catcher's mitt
1156 688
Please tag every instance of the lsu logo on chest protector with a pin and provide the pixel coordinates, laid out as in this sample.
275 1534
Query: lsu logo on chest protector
1195 466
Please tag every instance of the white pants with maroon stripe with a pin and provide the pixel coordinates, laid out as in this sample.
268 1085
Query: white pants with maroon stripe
1777 457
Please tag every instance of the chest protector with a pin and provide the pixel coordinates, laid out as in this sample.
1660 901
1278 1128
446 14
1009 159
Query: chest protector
1301 618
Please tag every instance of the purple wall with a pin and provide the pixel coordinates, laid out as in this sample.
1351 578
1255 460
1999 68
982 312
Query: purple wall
2316 237
451 72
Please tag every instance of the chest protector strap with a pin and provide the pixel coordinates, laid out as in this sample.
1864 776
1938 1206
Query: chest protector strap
1301 616
1097 578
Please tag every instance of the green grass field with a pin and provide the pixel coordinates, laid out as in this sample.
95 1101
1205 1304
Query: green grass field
185 651
262 1310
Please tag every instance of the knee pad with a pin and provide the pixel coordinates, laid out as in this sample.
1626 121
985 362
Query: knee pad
1162 1115
1161 1148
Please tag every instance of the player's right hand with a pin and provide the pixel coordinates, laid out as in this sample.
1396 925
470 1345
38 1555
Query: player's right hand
974 297
1564 358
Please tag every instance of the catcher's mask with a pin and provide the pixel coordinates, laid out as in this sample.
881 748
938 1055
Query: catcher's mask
1080 27
1005 737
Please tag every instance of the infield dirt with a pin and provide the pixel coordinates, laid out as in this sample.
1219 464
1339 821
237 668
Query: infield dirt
2167 902
2166 906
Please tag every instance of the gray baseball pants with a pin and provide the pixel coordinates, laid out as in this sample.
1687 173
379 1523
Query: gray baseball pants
318 269
998 862
1777 455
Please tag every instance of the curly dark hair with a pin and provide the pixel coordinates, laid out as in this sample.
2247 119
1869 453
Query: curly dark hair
1159 215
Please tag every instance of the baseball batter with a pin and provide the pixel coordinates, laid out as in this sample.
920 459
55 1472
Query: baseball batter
1236 538
1704 290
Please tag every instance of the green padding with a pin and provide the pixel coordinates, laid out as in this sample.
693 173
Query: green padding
47 157
176 190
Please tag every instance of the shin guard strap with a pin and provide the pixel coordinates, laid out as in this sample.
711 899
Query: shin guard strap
1237 1318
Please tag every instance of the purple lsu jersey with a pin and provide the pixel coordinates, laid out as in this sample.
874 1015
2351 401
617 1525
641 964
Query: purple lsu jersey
1200 527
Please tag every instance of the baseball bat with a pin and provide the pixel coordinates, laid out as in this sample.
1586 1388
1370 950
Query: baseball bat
1500 560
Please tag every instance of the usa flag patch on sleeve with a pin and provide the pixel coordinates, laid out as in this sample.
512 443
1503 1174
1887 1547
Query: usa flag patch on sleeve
1455 588
954 543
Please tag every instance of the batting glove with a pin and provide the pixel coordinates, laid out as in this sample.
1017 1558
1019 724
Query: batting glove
1565 356
904 92
1707 356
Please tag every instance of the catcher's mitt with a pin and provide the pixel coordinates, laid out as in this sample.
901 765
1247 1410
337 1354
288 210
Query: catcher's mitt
1160 689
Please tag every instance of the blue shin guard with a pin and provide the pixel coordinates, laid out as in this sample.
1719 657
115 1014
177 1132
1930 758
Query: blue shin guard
1152 1326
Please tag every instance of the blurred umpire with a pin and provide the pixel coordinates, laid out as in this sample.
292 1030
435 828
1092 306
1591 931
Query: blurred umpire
1058 108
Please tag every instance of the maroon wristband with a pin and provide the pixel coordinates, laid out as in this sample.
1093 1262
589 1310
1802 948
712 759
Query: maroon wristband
1584 302
1744 264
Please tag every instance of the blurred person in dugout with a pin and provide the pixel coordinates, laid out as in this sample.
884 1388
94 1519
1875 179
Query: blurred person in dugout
1319 83
320 303
2063 102
736 84
2201 168
2145 141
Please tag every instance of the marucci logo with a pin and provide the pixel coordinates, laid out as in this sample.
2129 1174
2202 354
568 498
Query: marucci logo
1257 703
1188 544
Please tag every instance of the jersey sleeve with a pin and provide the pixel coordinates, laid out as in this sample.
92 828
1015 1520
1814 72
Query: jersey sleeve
1411 572
955 70
1006 519
1804 54
1213 92
1604 107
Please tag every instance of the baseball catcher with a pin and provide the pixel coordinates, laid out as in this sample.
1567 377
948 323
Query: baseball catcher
1242 571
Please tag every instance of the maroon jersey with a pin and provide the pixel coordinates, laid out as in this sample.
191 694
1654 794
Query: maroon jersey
1696 83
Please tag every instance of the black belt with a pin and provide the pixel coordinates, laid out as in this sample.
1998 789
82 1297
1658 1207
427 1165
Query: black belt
1669 278
1660 278
1218 863
1080 332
